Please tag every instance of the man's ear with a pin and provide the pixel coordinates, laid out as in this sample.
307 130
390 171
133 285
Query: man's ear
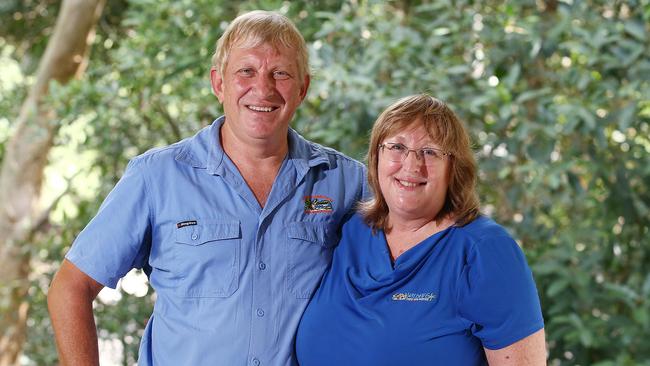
305 87
216 80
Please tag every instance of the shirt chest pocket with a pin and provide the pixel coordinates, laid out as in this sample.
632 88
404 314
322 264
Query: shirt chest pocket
309 253
208 258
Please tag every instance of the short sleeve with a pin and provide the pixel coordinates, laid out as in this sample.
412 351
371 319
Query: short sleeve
366 192
497 293
117 239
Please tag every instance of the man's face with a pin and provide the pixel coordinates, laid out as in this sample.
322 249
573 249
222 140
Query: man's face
260 90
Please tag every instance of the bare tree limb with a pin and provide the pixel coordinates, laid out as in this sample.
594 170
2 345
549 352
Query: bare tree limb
21 173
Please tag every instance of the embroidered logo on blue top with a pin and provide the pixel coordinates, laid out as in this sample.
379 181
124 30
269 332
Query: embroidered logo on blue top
414 296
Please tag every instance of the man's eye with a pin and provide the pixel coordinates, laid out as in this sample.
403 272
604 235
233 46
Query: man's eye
245 72
280 75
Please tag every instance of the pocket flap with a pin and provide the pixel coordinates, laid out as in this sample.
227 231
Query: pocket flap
312 232
205 232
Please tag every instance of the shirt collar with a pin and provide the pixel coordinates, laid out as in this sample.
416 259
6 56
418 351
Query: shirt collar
204 150
305 154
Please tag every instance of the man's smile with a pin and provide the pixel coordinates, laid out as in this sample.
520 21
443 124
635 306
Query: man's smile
258 108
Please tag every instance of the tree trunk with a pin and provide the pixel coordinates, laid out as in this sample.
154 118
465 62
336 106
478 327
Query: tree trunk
25 158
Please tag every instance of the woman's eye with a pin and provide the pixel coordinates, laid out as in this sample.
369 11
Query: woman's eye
430 152
397 147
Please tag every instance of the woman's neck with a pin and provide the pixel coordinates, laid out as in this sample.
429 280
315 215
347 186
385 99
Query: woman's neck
405 234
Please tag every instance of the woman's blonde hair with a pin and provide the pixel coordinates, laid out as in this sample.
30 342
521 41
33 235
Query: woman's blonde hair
446 130
258 27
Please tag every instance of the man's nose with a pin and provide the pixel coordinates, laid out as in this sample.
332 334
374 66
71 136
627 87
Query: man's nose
264 84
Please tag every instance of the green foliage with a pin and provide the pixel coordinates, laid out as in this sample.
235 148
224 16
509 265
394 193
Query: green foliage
556 96
27 25
50 245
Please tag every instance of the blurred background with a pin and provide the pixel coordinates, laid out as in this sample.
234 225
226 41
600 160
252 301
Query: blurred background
556 95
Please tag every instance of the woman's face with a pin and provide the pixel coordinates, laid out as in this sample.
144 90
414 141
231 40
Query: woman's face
412 189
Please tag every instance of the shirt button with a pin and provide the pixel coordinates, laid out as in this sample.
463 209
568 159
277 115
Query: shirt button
256 362
262 266
194 236
260 312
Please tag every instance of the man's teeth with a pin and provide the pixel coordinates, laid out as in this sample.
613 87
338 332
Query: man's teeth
408 184
260 109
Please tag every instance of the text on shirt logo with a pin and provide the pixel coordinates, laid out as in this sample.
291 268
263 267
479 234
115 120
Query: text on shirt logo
318 204
413 296
186 223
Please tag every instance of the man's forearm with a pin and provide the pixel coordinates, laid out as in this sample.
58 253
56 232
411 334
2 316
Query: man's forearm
70 306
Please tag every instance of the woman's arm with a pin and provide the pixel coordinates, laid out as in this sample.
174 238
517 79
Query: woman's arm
530 351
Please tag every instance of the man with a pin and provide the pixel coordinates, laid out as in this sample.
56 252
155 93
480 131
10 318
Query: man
234 226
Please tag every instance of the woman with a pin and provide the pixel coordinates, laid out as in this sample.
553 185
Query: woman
419 277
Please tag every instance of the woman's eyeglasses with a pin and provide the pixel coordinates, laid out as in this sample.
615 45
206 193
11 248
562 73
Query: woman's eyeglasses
397 153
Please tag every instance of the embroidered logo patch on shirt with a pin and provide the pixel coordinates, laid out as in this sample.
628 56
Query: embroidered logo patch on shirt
186 223
414 296
318 204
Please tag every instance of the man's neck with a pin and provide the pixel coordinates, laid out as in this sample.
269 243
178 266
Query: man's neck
258 161
251 149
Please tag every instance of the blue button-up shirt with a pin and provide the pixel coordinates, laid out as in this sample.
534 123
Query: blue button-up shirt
232 278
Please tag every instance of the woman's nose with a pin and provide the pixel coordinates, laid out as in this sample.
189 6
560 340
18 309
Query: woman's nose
412 161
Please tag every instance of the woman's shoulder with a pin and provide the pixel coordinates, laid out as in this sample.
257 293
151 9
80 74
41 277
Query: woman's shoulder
483 228
355 230
486 241
356 224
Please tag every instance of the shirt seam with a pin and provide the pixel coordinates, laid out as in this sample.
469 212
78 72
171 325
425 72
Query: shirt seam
147 188
459 316
147 194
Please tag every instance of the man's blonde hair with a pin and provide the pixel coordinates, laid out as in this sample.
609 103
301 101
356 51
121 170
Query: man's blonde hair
258 27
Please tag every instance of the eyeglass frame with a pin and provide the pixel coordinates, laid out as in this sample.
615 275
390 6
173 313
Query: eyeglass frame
419 153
